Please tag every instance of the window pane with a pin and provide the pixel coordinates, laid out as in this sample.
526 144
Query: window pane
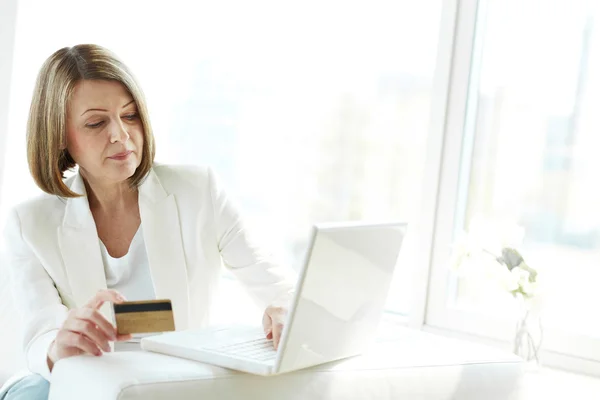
310 112
534 161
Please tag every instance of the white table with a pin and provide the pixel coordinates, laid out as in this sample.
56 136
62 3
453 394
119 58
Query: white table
404 364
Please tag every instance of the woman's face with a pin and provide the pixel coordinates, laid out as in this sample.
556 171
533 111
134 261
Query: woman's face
104 132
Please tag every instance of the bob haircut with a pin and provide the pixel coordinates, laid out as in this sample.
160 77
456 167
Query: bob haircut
46 128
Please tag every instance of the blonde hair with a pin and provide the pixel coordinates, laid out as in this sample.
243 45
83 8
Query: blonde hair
46 127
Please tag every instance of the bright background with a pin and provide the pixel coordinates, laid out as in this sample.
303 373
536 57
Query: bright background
439 113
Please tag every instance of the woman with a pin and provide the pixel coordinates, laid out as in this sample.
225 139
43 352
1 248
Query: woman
121 227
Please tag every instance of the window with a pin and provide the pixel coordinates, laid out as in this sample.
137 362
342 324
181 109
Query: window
311 112
525 155
534 155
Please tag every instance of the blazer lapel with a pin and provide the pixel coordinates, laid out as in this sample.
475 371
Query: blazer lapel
164 246
80 248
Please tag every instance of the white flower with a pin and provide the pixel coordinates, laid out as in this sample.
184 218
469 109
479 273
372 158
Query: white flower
529 288
532 272
509 280
479 257
521 276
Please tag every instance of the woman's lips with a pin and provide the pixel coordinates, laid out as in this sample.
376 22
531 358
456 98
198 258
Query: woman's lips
121 156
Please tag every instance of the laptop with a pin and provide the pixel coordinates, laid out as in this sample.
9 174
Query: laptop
338 302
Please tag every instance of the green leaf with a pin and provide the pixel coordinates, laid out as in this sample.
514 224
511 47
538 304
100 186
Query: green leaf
511 258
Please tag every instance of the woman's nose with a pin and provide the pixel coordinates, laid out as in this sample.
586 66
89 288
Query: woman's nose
118 133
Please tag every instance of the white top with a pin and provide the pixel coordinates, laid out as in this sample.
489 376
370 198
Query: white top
130 274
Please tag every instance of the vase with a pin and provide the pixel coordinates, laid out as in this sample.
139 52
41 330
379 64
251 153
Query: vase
528 335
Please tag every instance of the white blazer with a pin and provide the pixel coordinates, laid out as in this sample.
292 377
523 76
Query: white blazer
190 229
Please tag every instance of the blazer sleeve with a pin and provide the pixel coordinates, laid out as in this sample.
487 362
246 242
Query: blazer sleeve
35 296
267 283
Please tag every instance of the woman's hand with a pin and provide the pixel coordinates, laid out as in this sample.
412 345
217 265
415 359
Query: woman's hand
273 320
86 331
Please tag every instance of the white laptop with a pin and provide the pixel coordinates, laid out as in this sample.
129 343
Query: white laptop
337 306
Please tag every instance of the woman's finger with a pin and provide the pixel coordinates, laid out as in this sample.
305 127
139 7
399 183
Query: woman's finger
276 317
103 296
267 326
73 339
122 338
95 317
90 330
277 331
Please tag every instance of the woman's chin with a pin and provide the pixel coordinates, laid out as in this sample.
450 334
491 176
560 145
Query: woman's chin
123 171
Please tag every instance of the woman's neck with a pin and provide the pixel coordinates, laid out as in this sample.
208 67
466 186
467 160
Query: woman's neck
110 198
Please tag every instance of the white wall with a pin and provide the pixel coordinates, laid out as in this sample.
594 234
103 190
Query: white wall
8 20
10 354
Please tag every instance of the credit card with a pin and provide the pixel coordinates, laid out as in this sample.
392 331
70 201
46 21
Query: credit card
144 316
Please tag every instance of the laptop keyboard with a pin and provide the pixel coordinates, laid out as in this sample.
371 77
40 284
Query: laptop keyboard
256 349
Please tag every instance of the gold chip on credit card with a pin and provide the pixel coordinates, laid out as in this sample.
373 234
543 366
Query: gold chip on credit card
144 316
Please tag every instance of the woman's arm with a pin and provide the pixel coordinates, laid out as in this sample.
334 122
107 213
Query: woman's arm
267 283
35 297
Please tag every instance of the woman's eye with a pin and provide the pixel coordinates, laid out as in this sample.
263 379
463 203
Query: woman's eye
130 117
96 125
